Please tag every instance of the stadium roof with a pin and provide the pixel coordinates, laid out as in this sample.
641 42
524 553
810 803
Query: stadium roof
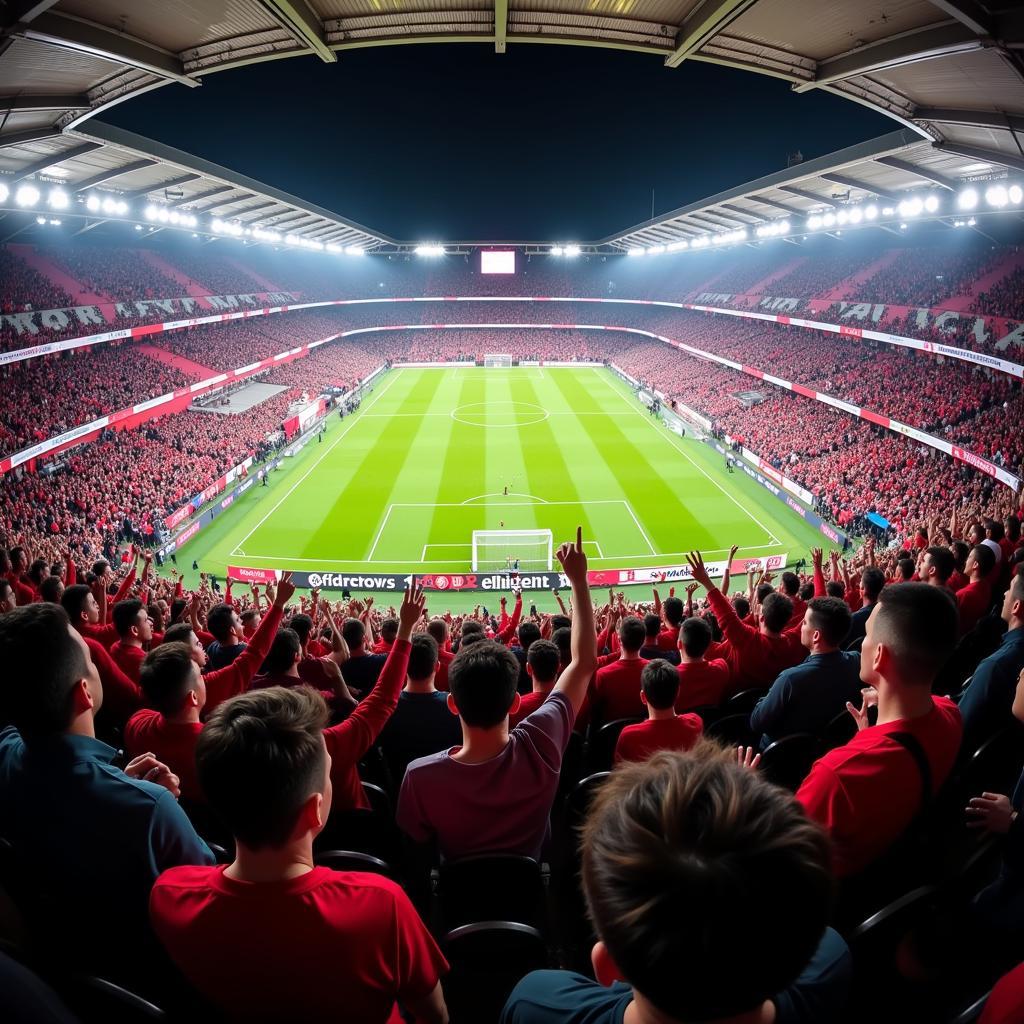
951 72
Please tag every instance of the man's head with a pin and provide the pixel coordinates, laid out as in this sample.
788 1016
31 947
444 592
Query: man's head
560 622
872 580
825 625
303 626
38 571
19 560
171 680
354 633
223 622
741 606
835 588
697 838
49 682
132 621
422 658
285 652
438 629
994 530
694 637
905 569
264 767
789 584
1013 602
960 552
1011 528
528 634
631 634
652 627
251 619
181 633
910 633
937 565
51 589
659 684
776 611
8 598
482 682
806 591
101 569
980 563
80 604
389 629
763 590
562 639
542 661
672 607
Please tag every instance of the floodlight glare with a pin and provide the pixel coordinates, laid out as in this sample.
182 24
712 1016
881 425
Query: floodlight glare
655 250
995 195
40 220
354 250
429 250
92 204
636 251
911 207
888 211
814 222
217 225
870 212
828 220
572 250
784 227
968 199
149 212
556 250
676 246
931 203
1016 193
27 195
856 216
58 199
162 215
4 193
842 217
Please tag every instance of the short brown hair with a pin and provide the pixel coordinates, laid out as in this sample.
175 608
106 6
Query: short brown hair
259 757
686 858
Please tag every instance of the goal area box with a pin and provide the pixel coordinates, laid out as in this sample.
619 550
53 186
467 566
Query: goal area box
498 359
524 550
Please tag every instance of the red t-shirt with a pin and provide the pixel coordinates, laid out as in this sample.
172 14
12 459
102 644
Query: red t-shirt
444 659
973 601
638 742
325 946
128 659
173 743
668 639
1005 1005
701 682
616 691
868 791
527 705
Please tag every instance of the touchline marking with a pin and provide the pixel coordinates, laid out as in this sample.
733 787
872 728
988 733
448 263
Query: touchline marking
647 540
689 458
330 448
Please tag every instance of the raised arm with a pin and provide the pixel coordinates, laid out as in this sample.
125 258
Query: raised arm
726 574
574 681
728 620
509 630
819 576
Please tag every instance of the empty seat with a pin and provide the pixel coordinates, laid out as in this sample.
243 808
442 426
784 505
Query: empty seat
352 860
732 731
787 761
743 702
491 886
601 749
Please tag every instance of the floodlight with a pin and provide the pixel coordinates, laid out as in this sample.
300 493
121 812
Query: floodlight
636 251
856 216
58 199
149 212
828 220
842 217
334 247
354 250
813 223
572 250
784 227
676 246
931 203
55 221
121 208
888 211
903 227
217 225
995 195
40 220
162 215
655 250
556 250
138 227
429 250
27 195
1016 193
92 203
870 212
911 207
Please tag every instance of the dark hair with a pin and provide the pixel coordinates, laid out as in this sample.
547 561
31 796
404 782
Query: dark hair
180 632
560 622
249 615
438 629
471 626
906 567
260 757
660 683
126 615
562 639
4 587
218 621
165 676
986 559
42 662
695 636
790 584
543 657
353 632
38 570
919 625
652 625
1012 527
100 566
835 588
960 552
872 580
806 591
528 634
697 838
673 610
73 600
422 657
831 617
284 649
741 605
631 634
776 611
995 528
763 590
942 559
303 626
50 589
482 679
178 606
389 628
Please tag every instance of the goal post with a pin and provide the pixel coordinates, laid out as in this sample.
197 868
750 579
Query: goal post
512 550
497 359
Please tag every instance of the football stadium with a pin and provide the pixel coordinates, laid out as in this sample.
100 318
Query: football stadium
519 532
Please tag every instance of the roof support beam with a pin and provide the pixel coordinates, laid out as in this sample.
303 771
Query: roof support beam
256 210
27 10
896 51
75 101
500 25
241 197
114 172
804 194
72 33
702 24
200 196
716 219
921 172
977 153
757 218
55 158
794 210
973 118
968 13
844 179
162 186
299 19
28 135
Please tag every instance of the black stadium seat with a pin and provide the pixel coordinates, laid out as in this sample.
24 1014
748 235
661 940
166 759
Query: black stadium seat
601 746
352 860
491 886
786 762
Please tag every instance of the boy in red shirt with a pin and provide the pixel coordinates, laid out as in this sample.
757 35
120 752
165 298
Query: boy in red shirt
868 791
135 630
664 729
616 690
975 599
700 681
542 660
254 937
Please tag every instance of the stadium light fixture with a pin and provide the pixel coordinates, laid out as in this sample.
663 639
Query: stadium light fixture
828 220
572 251
931 203
58 199
996 195
149 212
429 250
870 212
912 207
40 219
5 193
856 216
27 195
677 246
655 250
1015 194
354 250
814 222
903 227
138 227
842 217
637 250
55 222
887 211
556 250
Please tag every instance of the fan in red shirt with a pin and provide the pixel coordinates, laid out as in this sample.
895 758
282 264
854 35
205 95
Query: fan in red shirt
868 791
438 629
700 681
974 600
616 690
664 729
135 630
672 611
755 654
178 693
542 663
388 632
342 945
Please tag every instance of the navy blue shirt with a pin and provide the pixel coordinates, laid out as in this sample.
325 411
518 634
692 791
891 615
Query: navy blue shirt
361 671
421 725
806 697
94 838
818 996
652 651
859 623
220 655
985 706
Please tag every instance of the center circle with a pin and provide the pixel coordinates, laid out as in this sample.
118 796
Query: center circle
500 414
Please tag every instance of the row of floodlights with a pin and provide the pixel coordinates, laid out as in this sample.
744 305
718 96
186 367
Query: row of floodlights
163 215
570 251
701 242
28 196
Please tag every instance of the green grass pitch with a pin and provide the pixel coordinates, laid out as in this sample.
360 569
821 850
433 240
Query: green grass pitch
404 482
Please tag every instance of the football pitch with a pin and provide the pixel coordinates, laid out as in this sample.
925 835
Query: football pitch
402 484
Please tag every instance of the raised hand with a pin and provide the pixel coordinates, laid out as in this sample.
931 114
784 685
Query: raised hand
413 602
746 757
992 812
285 590
816 557
732 552
573 559
869 698
699 570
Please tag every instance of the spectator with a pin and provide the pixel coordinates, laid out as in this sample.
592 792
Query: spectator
135 629
542 664
616 690
664 729
872 580
974 600
700 681
228 636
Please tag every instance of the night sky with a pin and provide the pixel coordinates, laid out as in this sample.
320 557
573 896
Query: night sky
542 143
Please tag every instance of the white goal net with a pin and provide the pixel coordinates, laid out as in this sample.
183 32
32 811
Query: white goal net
497 359
512 550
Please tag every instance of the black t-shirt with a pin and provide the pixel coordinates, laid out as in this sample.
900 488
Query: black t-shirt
361 672
652 651
421 725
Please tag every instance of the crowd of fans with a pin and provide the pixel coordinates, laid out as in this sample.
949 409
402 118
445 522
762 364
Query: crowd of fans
120 275
23 288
